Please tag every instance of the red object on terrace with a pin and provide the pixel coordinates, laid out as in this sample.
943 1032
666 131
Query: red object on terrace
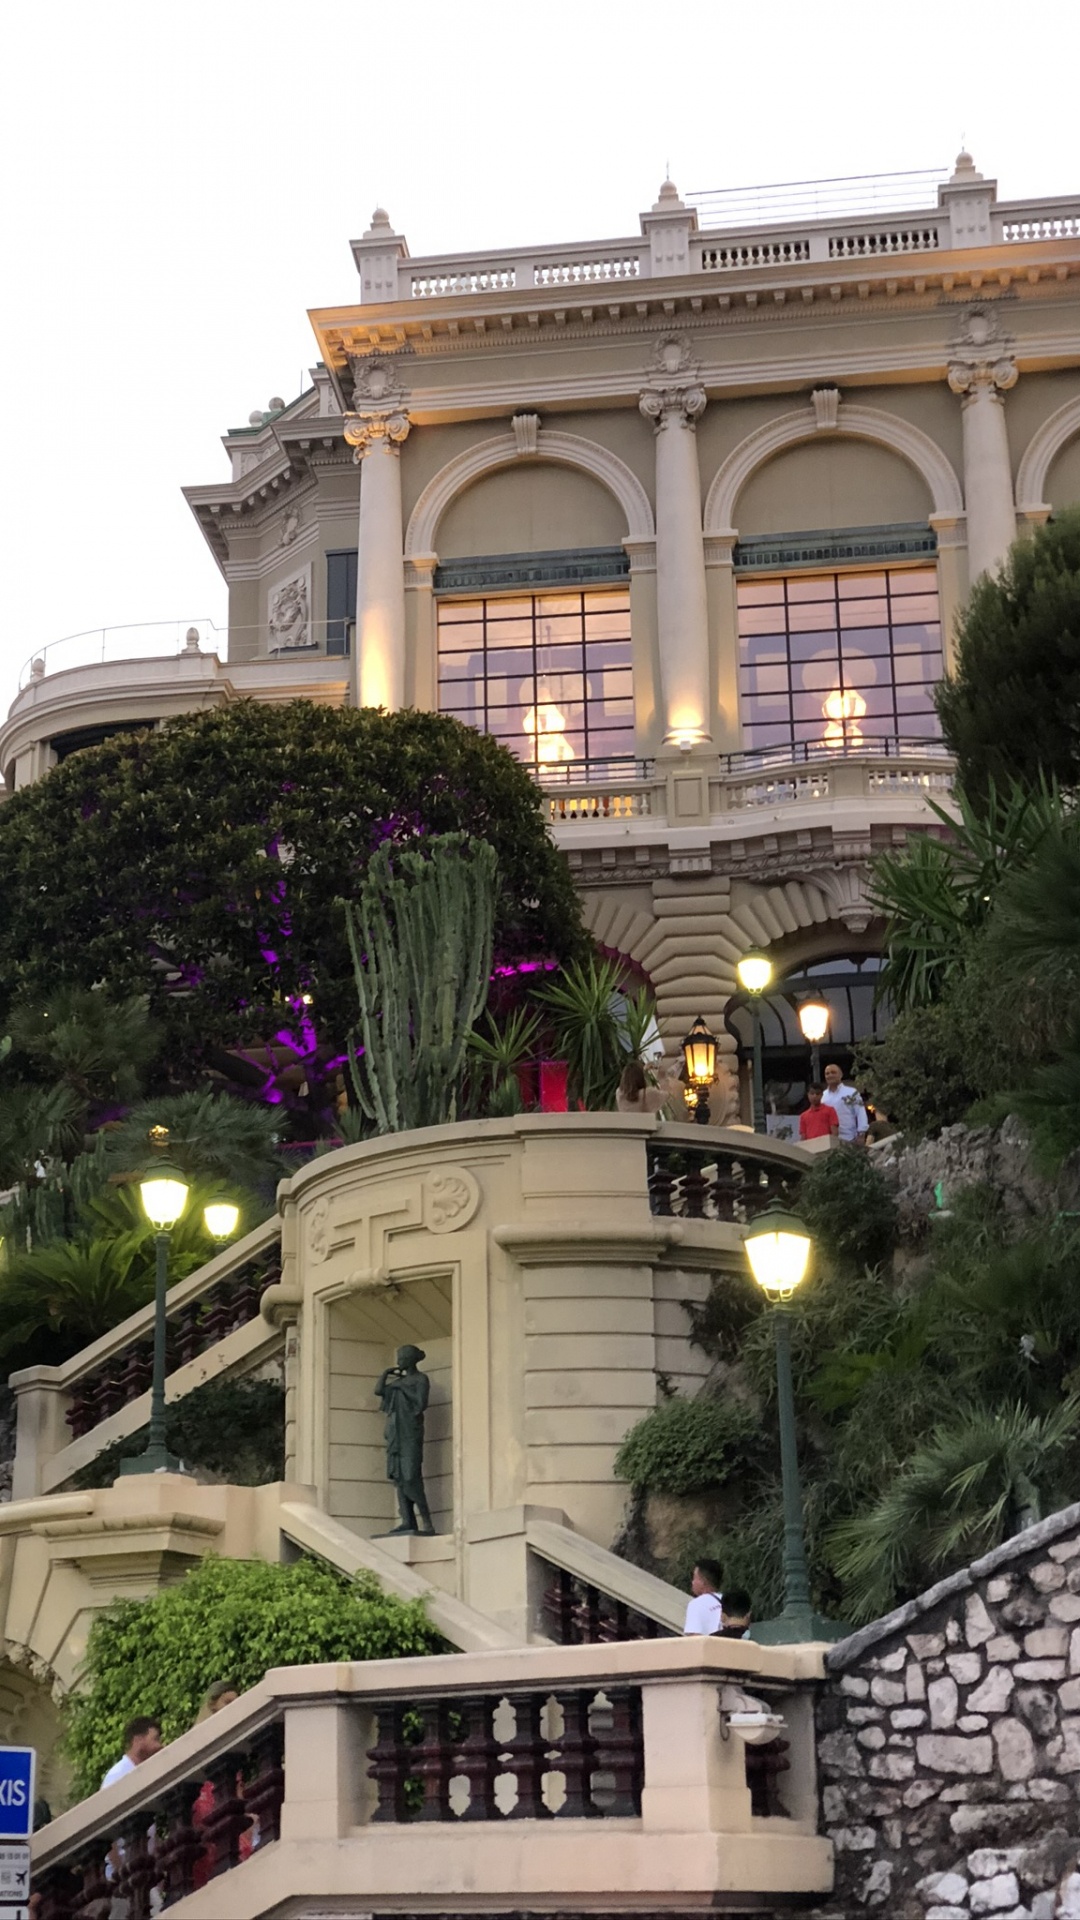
553 1078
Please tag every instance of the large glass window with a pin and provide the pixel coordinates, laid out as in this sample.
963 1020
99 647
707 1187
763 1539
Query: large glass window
549 674
836 660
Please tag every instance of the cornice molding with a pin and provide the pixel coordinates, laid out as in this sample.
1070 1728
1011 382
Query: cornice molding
488 456
852 422
1045 443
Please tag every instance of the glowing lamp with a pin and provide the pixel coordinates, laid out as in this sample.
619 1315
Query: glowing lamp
164 1196
755 971
699 1052
778 1250
221 1219
814 1016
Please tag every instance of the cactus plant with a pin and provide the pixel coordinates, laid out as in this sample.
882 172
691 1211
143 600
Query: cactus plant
420 937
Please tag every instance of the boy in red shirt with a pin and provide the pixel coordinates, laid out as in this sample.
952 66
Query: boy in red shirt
817 1121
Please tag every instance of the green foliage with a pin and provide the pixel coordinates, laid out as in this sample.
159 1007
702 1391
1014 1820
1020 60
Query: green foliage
919 1071
78 1281
584 1005
846 1203
212 1136
937 894
37 1124
232 1429
198 864
500 1053
956 1497
87 1040
421 945
685 1446
72 1290
226 1620
1011 710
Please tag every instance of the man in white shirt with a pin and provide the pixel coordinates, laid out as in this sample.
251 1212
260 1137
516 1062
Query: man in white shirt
704 1609
847 1103
142 1739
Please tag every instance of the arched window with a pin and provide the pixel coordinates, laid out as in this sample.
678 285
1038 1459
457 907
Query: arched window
548 674
834 662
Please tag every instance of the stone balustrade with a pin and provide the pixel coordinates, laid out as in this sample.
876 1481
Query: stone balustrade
571 1771
724 1180
742 249
68 1414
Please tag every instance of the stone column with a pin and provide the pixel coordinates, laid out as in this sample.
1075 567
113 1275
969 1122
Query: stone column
981 371
376 434
682 605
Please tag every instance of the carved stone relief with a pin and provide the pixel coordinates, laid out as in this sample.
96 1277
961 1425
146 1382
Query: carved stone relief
451 1198
289 615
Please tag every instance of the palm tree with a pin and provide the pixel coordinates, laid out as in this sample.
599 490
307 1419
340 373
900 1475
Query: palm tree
977 1480
212 1135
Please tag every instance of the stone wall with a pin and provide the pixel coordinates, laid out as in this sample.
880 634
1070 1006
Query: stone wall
949 1742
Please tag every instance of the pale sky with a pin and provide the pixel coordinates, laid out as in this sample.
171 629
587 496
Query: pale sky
181 180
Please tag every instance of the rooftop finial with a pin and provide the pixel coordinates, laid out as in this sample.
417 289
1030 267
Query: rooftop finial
380 222
668 197
965 168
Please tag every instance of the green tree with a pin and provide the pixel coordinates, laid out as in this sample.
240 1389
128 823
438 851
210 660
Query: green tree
200 865
1011 709
226 1620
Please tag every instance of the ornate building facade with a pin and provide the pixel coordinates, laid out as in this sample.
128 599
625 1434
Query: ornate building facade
685 519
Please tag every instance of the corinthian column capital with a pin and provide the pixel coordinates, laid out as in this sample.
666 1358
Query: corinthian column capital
677 406
982 361
363 431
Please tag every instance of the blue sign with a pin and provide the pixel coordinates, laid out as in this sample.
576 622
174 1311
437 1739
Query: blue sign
16 1793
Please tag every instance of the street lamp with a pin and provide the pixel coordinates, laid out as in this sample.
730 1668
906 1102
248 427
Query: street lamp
778 1251
699 1053
814 1016
221 1219
755 972
164 1194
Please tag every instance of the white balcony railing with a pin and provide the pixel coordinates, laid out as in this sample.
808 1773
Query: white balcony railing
770 239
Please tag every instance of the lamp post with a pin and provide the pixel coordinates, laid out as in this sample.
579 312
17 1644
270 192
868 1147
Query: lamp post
699 1053
164 1194
778 1251
814 1021
755 972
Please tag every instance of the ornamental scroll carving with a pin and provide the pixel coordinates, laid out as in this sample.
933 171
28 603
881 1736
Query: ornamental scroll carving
380 400
981 359
451 1198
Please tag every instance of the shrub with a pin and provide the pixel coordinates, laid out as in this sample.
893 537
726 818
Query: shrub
227 1620
232 1428
848 1208
685 1446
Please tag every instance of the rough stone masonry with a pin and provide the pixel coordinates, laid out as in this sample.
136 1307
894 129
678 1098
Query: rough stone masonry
949 1742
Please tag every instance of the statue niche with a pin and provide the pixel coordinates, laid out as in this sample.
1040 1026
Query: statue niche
404 1393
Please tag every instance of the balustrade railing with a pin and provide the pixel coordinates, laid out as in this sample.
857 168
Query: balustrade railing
577 1613
162 1858
776 243
317 1770
523 1754
716 1182
192 1329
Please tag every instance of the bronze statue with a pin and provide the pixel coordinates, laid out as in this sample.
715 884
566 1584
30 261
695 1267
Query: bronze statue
404 1392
